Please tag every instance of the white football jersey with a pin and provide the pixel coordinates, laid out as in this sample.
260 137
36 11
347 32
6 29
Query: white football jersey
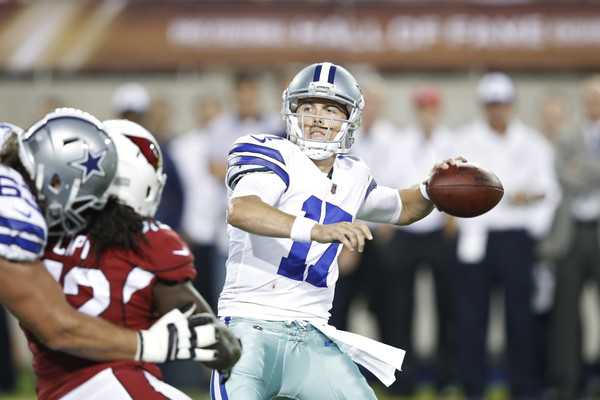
278 279
23 231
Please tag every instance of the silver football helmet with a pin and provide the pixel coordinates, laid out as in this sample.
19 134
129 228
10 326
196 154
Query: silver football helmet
72 161
140 179
328 81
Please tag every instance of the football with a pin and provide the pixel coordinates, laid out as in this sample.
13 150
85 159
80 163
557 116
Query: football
465 190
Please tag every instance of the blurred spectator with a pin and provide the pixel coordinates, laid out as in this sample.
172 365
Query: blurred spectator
574 243
552 119
496 250
188 206
171 204
131 101
421 245
201 190
552 116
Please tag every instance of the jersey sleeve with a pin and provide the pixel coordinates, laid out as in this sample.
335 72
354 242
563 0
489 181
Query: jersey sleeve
267 186
23 231
382 204
256 153
166 255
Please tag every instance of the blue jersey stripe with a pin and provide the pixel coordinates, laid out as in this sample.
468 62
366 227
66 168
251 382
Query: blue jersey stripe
233 178
317 75
331 76
372 186
23 227
249 160
253 148
25 244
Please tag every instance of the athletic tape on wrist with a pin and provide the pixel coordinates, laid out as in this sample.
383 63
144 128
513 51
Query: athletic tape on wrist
139 353
423 189
301 229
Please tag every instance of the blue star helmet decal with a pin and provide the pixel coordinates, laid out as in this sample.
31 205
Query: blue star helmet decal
90 164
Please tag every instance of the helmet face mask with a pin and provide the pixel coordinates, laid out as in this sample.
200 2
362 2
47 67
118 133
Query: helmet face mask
140 180
72 162
330 82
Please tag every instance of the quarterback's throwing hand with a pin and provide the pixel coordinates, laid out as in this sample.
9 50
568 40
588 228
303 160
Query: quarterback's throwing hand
350 234
176 337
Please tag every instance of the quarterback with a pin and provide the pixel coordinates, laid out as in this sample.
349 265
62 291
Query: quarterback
292 204
35 193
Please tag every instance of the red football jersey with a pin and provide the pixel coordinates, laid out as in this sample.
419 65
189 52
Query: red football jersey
117 287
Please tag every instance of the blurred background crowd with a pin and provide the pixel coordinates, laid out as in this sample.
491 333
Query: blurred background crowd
508 300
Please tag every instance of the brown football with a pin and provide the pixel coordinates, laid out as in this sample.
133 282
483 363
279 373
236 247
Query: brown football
465 190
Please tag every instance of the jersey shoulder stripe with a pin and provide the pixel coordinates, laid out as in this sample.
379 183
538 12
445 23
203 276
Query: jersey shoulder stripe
260 156
253 148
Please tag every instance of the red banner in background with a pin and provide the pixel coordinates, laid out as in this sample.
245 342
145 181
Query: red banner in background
116 36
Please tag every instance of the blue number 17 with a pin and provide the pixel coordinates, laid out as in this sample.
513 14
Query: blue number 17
294 265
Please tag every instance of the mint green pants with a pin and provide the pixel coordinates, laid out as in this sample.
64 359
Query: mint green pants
285 360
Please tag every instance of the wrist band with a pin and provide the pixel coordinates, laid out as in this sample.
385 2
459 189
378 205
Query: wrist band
423 189
139 353
301 229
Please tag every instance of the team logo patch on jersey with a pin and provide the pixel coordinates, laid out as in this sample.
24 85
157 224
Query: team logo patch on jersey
90 164
333 188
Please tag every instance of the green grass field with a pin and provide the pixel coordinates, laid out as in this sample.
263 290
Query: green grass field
26 391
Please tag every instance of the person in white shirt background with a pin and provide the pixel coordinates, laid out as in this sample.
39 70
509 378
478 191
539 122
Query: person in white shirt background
573 246
426 243
497 249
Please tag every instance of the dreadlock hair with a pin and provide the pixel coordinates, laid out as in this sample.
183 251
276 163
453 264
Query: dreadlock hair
115 226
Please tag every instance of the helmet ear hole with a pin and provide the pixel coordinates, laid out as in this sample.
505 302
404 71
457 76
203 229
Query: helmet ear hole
55 182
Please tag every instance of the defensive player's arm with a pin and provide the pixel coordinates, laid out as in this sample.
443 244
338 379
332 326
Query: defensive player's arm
251 213
31 294
169 295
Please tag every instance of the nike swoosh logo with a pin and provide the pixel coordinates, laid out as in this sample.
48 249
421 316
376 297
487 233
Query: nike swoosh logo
183 252
257 139
26 214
